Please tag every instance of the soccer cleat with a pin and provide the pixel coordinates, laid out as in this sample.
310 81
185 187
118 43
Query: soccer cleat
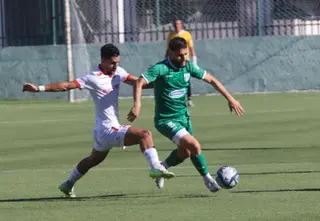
159 182
68 189
211 184
190 103
157 173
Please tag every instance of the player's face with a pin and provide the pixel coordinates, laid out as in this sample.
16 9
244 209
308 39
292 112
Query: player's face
177 25
109 65
180 57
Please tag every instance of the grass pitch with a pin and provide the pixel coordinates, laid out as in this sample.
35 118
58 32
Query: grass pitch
274 147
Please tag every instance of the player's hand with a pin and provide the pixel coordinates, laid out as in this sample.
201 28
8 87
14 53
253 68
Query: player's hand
30 88
235 106
134 113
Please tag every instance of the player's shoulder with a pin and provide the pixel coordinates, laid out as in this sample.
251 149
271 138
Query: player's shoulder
191 66
121 71
161 66
187 32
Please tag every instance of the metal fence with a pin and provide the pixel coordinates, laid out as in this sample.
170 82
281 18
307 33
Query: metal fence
31 22
41 22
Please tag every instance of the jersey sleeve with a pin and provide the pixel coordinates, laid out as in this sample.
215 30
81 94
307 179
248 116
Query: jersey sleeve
124 75
83 82
152 74
196 71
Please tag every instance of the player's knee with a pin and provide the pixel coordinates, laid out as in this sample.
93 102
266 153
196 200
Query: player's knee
145 135
192 145
195 148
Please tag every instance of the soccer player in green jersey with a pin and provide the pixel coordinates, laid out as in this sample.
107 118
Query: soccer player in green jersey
170 79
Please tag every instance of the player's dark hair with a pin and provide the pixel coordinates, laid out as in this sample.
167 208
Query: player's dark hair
108 51
175 18
177 43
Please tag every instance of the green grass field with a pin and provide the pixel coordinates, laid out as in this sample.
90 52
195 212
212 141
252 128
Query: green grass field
275 148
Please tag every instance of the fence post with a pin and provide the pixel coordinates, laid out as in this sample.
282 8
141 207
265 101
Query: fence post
69 46
158 18
54 22
260 18
121 21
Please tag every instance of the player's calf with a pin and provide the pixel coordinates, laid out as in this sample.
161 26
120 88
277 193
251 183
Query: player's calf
144 138
197 157
95 158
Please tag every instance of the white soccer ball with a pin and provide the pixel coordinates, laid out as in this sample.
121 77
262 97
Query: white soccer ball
227 177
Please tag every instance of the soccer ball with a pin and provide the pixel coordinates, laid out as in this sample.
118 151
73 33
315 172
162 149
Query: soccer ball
227 177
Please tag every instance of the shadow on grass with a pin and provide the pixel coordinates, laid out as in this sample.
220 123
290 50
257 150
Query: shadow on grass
247 149
260 173
278 190
40 199
109 197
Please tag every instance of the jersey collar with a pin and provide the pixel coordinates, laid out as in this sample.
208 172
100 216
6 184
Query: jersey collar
170 63
180 32
101 71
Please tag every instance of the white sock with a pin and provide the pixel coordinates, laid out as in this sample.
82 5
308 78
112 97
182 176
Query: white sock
152 157
75 176
207 177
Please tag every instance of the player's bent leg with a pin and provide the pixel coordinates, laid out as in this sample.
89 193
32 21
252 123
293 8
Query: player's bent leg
198 160
172 130
95 158
175 157
134 136
144 138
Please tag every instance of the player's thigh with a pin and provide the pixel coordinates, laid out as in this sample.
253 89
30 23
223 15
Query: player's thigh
189 141
110 137
174 130
134 135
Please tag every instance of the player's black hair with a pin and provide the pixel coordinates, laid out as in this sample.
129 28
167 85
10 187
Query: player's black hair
175 18
108 51
177 43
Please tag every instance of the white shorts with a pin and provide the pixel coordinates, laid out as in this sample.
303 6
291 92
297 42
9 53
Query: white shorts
109 137
179 135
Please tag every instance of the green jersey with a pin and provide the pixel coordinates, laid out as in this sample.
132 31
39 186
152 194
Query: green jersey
170 87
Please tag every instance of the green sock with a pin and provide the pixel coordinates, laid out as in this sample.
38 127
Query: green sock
200 164
173 159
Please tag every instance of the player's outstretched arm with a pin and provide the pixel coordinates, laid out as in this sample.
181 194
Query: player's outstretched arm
137 91
234 105
131 80
57 87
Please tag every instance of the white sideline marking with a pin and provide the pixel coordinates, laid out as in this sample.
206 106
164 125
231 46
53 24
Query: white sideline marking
151 117
145 168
